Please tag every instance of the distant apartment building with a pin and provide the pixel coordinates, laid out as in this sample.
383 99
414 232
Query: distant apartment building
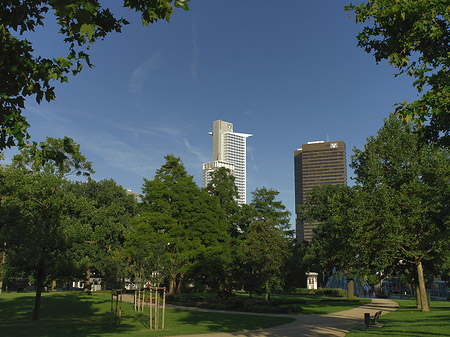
230 151
316 163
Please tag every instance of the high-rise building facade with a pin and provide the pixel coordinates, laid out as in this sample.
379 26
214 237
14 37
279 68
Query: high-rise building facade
316 163
230 151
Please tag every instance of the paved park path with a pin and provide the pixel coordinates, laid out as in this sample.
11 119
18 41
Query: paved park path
336 324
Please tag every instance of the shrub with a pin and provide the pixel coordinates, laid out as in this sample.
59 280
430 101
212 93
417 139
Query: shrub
266 309
293 308
321 291
171 298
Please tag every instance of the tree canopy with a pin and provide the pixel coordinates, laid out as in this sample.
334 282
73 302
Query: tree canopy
409 181
81 23
193 228
264 243
395 217
414 37
222 186
56 156
337 239
98 230
35 212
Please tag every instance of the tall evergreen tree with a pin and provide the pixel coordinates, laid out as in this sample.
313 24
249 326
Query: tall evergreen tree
195 230
264 244
223 186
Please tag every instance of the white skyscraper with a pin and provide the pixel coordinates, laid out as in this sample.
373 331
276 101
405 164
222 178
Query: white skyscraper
230 151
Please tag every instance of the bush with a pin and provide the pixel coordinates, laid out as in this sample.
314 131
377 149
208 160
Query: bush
380 294
256 305
332 292
233 303
266 309
321 291
293 308
173 299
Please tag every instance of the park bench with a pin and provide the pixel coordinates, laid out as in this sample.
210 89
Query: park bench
372 320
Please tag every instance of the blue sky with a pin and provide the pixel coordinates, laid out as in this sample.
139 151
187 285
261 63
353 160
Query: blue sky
288 72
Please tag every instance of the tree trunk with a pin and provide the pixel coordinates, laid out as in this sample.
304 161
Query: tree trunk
3 266
267 291
88 280
418 297
39 286
172 286
179 285
350 289
423 292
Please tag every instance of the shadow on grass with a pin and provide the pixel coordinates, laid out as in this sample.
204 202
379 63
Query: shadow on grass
61 314
213 322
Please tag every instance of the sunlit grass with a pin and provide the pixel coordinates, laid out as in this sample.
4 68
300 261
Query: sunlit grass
407 321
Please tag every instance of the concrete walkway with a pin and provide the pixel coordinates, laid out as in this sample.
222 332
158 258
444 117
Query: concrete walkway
336 324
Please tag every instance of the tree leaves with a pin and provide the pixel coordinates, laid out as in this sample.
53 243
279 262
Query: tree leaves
414 37
61 157
23 74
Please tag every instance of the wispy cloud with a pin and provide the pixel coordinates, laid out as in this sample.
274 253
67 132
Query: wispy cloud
194 151
120 154
194 61
140 74
161 132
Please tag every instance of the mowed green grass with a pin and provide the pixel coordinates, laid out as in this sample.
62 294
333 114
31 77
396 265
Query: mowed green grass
322 305
407 321
318 304
79 314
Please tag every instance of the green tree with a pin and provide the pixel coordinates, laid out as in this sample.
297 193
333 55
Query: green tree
265 250
266 207
223 186
146 248
265 244
295 267
411 182
337 239
23 74
101 226
194 230
35 211
56 156
413 36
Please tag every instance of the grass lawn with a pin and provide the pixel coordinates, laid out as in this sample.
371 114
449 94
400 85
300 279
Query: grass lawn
322 305
317 304
79 314
407 321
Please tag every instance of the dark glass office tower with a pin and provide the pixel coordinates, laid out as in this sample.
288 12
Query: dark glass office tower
316 163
